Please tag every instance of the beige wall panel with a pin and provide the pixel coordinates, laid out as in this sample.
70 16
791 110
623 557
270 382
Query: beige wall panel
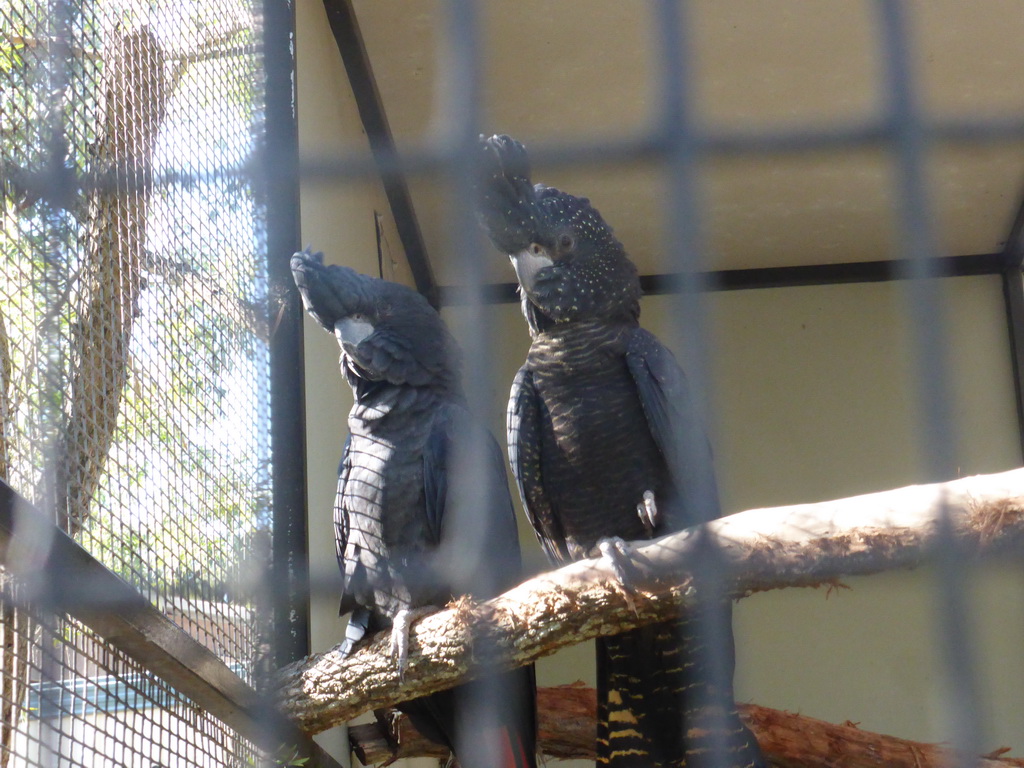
975 193
580 71
963 63
793 63
815 390
814 208
871 654
815 399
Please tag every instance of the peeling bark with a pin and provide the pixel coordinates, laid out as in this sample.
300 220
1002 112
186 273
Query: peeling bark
761 549
16 631
567 726
135 98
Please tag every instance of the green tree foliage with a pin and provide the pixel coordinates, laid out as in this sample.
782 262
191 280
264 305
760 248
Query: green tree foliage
183 491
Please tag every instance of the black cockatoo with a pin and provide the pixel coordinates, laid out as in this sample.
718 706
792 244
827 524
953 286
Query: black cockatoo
594 425
412 529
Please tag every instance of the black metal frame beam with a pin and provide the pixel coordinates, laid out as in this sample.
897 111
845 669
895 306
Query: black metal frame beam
289 579
770 277
824 274
70 581
1013 295
345 26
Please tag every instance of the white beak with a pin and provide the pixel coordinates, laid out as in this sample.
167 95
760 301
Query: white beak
350 332
527 264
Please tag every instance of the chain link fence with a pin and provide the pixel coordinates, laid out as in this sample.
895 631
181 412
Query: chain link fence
134 385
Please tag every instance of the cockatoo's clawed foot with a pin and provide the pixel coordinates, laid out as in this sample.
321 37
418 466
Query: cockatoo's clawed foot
400 626
616 553
648 512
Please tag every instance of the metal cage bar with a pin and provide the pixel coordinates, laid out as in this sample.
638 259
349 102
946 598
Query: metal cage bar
62 165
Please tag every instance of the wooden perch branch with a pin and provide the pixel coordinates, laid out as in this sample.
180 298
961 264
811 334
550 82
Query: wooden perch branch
759 549
567 727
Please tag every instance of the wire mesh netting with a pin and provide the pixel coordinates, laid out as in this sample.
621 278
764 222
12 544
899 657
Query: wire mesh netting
134 325
134 387
90 705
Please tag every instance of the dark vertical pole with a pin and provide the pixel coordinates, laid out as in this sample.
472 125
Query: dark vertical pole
910 143
686 251
1013 295
287 425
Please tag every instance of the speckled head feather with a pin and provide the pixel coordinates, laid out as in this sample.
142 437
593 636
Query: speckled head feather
516 213
506 203
587 274
408 342
562 211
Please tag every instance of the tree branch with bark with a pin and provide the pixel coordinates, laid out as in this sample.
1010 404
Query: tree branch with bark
135 95
567 725
753 551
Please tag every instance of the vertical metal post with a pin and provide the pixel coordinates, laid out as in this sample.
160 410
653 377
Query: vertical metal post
909 141
919 267
1013 299
287 431
686 251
